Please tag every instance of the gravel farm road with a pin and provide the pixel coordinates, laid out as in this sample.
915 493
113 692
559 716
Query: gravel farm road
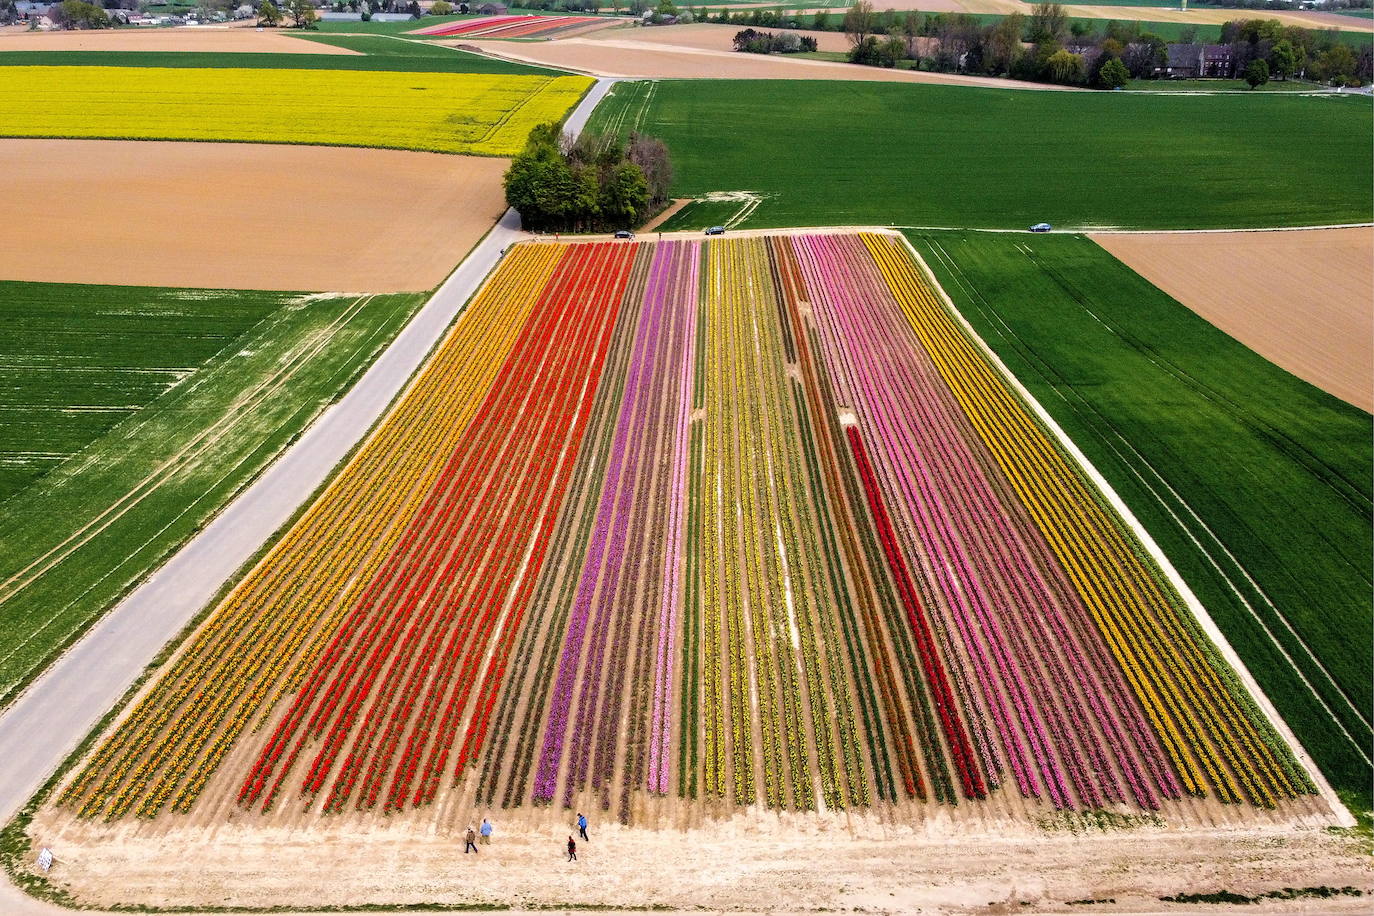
50 719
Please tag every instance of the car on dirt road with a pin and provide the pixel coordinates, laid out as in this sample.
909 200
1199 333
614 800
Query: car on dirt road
624 234
1041 227
716 230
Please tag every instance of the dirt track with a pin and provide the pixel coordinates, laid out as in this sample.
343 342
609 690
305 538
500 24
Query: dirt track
247 216
1299 298
756 862
222 40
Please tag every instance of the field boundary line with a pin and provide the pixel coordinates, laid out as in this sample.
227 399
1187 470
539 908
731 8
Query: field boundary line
1136 458
175 463
1342 816
1109 230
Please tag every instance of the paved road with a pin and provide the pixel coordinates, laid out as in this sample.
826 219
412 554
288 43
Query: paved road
49 720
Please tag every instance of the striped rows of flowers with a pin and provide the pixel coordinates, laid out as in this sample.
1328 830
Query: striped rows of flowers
1210 737
275 623
753 518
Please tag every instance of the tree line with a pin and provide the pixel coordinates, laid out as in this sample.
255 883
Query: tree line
595 183
1048 46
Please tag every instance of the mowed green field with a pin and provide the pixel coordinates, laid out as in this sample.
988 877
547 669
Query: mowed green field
837 153
129 416
1256 485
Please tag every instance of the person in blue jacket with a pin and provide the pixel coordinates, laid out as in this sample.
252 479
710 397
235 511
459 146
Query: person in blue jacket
582 825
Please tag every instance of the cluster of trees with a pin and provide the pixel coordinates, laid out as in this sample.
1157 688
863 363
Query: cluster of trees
751 41
302 13
565 6
1285 51
77 14
1047 46
1328 6
597 182
368 7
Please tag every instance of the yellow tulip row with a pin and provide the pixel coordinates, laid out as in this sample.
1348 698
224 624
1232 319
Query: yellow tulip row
1210 738
298 596
760 573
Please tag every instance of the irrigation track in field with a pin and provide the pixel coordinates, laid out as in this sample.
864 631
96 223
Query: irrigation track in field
47 721
1134 461
187 457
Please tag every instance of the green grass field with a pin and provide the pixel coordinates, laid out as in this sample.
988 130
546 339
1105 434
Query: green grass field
205 388
1262 503
835 153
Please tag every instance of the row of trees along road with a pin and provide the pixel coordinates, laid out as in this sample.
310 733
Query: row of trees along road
595 183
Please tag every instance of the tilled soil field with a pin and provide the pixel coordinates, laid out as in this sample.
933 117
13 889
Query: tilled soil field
642 57
228 40
1299 298
245 216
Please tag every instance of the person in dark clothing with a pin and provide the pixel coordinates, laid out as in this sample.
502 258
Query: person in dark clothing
572 849
582 825
471 841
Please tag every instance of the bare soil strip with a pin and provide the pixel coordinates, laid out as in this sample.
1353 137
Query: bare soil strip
246 216
1301 299
755 862
712 37
222 40
677 204
642 58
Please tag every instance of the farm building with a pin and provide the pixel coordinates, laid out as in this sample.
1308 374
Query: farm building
1190 61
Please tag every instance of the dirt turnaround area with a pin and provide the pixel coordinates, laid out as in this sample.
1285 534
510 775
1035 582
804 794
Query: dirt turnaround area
240 215
755 862
225 40
1301 299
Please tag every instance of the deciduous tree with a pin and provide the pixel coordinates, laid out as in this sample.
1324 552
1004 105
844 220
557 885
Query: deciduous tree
1113 74
859 22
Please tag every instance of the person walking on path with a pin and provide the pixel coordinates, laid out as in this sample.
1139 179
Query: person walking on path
572 849
582 826
471 841
486 832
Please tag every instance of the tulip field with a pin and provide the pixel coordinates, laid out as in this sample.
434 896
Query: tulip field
701 525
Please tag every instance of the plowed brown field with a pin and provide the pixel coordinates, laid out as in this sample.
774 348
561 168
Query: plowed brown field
653 55
222 40
1301 299
241 215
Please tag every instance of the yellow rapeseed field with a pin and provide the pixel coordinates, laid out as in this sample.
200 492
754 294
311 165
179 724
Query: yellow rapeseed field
482 114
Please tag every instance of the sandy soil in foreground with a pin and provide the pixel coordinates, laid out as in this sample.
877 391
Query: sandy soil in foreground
241 215
641 57
1301 299
222 40
757 862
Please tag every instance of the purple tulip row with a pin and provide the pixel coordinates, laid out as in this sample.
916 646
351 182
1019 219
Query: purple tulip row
618 516
665 653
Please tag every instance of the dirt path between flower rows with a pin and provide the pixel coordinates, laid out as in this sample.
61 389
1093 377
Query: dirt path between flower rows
1301 299
241 215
